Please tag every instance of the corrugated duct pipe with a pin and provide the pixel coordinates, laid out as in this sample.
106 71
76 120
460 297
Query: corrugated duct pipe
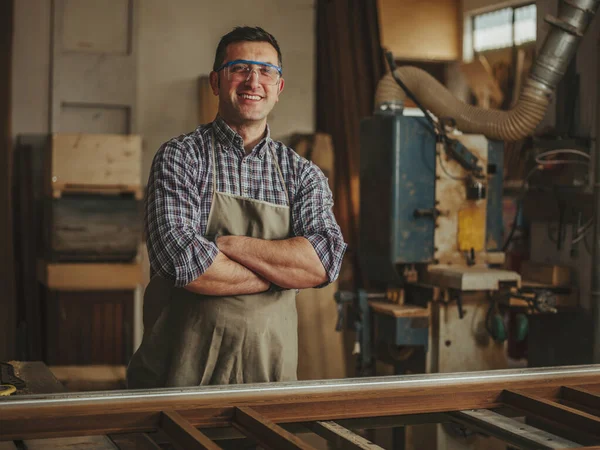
556 52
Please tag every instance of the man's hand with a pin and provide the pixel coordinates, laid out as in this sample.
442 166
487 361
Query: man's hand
227 277
289 263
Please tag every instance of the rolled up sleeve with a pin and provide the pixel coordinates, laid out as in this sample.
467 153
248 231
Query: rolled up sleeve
176 247
312 217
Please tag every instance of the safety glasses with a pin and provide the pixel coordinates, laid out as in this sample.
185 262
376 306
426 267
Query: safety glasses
241 70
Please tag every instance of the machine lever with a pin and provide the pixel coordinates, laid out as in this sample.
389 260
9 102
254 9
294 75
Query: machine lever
339 325
344 296
431 212
459 305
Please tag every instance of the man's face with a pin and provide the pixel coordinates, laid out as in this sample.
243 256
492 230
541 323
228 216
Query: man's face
245 102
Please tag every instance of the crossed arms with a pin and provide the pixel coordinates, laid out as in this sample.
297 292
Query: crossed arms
246 265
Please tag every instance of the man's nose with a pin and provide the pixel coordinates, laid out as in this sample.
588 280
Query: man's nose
252 80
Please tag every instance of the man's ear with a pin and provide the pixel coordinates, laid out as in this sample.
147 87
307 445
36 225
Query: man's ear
214 82
281 84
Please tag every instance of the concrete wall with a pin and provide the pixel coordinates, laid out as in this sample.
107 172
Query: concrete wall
177 41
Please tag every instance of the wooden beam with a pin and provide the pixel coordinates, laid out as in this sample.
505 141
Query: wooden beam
342 437
541 407
594 447
134 441
184 434
266 432
581 396
510 430
561 429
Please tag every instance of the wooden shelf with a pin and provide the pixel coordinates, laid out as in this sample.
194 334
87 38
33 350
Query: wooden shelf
395 310
89 276
59 189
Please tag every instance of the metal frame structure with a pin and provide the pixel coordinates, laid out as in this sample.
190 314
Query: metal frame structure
562 406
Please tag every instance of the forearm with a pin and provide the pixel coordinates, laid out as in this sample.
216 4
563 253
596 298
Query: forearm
227 277
289 263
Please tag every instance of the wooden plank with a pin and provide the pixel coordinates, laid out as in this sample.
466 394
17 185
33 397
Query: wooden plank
395 310
510 430
90 228
96 160
554 411
93 373
266 432
137 191
38 378
70 443
593 447
320 348
134 441
342 437
208 102
89 276
184 434
581 396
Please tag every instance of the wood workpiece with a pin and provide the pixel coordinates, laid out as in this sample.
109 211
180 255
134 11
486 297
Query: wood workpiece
264 412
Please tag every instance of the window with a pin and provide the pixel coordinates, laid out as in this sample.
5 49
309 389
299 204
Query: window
504 28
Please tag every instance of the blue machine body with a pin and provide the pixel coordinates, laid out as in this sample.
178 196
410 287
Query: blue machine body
494 238
397 177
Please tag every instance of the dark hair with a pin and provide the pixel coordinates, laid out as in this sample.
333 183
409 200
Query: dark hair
240 34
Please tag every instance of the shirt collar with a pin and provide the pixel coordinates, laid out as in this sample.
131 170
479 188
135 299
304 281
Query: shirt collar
229 139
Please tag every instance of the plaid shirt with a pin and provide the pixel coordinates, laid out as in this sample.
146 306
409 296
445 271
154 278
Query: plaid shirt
180 191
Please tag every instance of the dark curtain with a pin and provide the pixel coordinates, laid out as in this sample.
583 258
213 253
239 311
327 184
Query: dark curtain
349 66
7 292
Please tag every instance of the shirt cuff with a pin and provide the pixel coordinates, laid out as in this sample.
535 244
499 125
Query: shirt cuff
194 261
330 252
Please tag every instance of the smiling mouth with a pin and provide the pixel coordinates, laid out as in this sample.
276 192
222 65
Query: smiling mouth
250 97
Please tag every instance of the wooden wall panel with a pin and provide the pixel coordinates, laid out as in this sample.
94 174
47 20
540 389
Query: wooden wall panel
420 29
94 66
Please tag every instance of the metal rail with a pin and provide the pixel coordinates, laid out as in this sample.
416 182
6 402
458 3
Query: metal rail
285 389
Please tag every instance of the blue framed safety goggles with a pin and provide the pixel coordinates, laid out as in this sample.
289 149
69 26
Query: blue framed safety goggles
246 61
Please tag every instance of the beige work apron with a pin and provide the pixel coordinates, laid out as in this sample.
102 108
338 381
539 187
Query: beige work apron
191 339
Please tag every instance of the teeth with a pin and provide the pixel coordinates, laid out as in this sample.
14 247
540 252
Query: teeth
250 97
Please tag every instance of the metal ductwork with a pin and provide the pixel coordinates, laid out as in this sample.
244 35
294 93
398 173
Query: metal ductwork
554 57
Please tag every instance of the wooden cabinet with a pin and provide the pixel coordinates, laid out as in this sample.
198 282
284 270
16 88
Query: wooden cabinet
78 222
88 327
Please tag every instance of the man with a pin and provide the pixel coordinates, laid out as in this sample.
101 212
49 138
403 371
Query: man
236 223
